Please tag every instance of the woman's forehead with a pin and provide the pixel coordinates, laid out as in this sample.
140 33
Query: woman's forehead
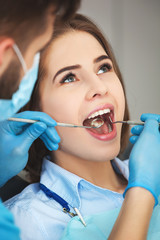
74 46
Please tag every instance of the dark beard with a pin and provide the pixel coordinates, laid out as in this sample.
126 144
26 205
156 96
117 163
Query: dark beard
9 80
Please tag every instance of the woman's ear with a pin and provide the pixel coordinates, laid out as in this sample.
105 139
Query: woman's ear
5 45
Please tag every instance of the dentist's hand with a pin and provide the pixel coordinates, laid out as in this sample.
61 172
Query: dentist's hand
136 130
144 162
16 139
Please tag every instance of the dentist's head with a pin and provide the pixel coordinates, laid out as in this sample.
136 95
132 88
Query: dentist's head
25 28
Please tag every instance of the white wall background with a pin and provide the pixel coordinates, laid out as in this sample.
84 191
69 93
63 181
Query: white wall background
133 29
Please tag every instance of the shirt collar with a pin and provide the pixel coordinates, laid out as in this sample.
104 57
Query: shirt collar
61 181
66 184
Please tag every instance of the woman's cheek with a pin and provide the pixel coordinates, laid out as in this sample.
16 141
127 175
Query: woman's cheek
120 98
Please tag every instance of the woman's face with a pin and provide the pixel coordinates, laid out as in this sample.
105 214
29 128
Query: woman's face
81 83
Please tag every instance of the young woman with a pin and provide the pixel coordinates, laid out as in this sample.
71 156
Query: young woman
80 83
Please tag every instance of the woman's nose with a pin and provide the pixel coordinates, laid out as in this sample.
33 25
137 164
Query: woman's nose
96 88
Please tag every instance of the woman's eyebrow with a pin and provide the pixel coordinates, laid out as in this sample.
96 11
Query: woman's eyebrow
100 58
66 69
77 66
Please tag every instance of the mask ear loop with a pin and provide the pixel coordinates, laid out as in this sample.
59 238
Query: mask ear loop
20 57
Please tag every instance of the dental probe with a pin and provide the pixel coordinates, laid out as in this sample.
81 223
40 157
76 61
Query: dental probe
131 122
58 123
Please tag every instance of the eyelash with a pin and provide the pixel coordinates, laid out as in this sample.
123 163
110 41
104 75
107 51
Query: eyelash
67 77
107 65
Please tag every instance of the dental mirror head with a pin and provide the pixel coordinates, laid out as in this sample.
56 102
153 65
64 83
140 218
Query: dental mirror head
97 123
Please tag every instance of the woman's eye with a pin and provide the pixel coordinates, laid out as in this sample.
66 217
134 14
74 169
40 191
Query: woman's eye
104 68
69 78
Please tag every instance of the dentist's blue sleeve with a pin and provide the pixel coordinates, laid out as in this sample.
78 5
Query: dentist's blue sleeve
8 230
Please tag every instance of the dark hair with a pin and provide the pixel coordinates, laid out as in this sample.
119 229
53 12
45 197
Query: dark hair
23 20
78 23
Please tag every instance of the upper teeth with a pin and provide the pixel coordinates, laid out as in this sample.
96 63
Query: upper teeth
100 112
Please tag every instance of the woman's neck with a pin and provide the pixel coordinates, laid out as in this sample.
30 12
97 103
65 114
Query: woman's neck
98 173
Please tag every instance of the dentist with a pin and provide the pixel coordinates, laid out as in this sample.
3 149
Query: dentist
25 28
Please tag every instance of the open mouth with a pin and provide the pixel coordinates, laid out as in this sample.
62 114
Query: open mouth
106 116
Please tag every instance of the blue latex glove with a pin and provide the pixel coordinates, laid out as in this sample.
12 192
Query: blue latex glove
16 139
7 228
144 161
137 129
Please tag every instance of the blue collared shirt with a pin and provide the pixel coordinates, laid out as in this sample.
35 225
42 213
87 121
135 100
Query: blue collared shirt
40 217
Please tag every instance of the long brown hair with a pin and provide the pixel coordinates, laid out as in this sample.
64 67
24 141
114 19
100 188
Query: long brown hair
78 23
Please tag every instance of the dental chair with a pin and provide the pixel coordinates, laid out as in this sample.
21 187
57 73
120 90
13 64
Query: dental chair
14 186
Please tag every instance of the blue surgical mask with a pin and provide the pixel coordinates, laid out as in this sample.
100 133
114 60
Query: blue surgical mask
8 107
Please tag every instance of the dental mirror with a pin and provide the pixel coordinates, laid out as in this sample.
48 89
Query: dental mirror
96 123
